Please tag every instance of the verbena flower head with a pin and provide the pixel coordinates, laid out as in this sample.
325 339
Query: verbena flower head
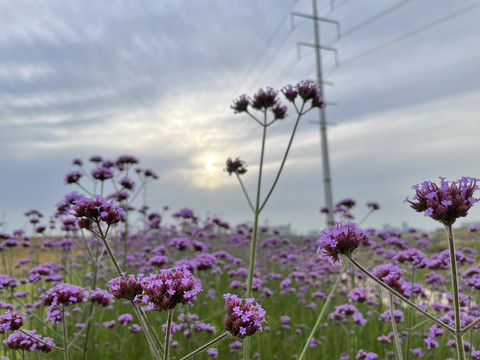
7 282
166 289
391 275
20 341
240 104
243 320
98 209
10 321
123 288
447 202
279 111
236 166
341 312
342 238
64 295
73 177
101 297
264 99
307 90
102 173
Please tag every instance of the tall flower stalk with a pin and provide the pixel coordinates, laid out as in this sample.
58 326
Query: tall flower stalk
90 214
266 102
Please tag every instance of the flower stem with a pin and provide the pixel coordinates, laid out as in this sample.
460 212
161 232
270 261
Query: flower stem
396 338
283 160
320 316
168 333
400 297
40 341
456 302
148 335
109 250
206 346
245 191
253 243
65 336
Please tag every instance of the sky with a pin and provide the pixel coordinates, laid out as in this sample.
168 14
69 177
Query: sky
155 79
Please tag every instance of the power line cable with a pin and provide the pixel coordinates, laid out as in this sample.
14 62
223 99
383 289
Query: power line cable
412 33
269 42
373 19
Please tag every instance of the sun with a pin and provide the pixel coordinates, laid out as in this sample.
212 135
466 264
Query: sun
209 163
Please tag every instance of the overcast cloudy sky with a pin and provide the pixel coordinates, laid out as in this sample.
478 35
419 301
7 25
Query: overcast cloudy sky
155 79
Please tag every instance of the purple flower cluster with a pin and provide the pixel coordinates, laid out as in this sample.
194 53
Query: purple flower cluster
166 289
307 90
236 166
341 312
96 210
10 321
342 238
243 320
128 289
60 297
101 297
391 275
447 202
20 341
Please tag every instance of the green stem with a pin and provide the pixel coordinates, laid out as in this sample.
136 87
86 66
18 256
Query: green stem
95 308
253 243
399 296
396 338
283 160
148 335
456 302
245 191
410 317
168 333
320 316
109 250
65 336
206 346
40 341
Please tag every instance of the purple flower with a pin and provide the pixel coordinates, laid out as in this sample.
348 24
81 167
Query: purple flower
166 289
10 321
98 209
307 90
102 173
264 99
447 202
20 341
127 183
7 282
342 238
63 295
342 311
279 111
125 319
362 354
236 166
240 104
391 275
213 352
121 288
243 320
373 205
101 297
73 177
127 159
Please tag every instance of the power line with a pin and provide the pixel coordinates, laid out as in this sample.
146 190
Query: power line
374 18
269 42
412 33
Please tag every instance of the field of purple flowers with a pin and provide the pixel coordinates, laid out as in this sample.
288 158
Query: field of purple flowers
102 278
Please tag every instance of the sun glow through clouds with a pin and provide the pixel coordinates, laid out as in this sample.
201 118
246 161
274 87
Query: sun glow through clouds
209 163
